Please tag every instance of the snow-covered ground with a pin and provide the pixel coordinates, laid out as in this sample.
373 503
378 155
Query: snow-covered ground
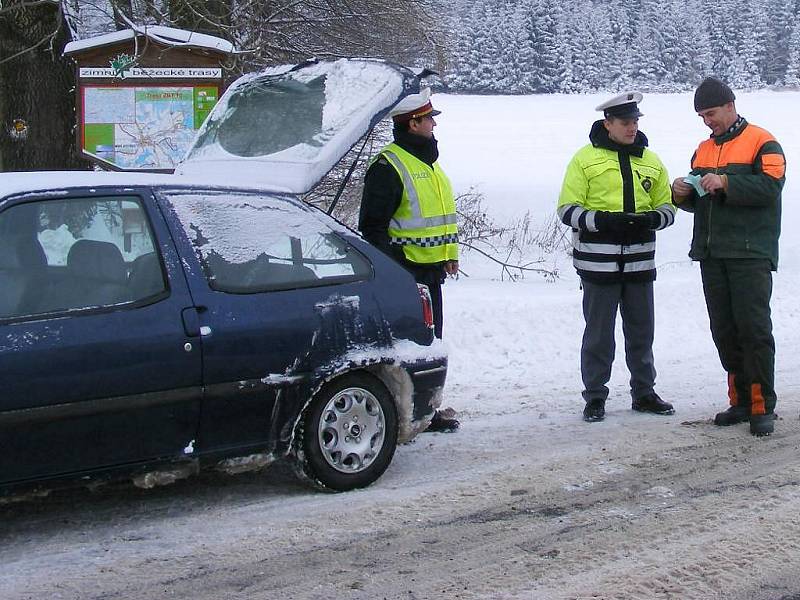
526 501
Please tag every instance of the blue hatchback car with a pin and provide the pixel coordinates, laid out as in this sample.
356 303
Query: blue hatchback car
151 325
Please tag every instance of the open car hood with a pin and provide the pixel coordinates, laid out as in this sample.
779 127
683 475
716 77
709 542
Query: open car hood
286 127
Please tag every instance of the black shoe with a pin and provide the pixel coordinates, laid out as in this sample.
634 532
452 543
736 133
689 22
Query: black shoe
651 403
732 416
442 424
595 410
761 425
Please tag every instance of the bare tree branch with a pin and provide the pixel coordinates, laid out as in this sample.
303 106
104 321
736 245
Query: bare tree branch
508 267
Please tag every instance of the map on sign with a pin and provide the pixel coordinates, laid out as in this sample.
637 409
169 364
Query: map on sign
137 127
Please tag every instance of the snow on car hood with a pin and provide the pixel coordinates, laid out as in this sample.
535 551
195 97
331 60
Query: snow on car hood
285 128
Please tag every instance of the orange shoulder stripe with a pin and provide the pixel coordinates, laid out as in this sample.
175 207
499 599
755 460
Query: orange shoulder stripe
773 165
740 150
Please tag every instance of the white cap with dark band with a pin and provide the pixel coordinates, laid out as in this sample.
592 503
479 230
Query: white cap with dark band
414 106
623 106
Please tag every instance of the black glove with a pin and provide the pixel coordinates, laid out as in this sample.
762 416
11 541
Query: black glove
618 223
627 223
650 219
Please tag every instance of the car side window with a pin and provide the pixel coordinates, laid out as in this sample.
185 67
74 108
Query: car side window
250 243
73 253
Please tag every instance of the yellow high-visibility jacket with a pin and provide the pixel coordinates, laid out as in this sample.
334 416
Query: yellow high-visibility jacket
425 222
605 177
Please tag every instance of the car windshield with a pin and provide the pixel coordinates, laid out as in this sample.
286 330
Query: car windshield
250 242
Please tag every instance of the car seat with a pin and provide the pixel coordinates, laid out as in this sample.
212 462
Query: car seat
96 275
22 267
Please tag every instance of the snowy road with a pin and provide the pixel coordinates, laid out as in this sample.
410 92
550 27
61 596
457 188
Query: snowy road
640 507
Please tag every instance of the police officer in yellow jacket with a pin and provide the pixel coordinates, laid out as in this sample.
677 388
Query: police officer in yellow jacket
408 209
616 194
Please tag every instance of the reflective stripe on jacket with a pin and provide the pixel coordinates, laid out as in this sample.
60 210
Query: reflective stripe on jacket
425 222
603 179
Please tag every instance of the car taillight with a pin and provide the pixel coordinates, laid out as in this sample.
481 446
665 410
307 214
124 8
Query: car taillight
427 308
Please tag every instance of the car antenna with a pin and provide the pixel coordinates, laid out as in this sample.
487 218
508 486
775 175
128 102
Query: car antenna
349 172
420 75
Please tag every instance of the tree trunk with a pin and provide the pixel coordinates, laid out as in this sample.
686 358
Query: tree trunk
37 90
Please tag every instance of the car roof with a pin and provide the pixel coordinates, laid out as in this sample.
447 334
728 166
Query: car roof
23 182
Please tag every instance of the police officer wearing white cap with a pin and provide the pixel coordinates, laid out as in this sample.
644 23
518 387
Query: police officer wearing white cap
408 209
615 196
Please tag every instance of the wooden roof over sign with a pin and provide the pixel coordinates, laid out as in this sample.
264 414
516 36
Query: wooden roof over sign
164 36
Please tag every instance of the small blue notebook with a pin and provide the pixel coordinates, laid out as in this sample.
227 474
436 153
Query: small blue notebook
694 181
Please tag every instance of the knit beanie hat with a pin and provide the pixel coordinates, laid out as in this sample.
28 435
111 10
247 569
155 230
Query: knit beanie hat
712 92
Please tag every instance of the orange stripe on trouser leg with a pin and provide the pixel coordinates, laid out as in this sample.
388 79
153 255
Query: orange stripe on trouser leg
757 399
732 396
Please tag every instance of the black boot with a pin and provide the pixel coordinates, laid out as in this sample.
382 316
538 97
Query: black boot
652 403
761 425
595 410
733 415
442 424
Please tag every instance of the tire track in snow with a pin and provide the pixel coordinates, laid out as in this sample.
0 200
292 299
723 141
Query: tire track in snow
643 508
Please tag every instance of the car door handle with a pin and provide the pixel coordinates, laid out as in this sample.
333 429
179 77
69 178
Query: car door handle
191 321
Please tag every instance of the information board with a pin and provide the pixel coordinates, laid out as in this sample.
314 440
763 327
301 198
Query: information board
143 127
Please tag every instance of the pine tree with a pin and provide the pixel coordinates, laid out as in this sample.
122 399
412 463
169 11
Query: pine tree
752 50
579 68
648 47
541 49
781 15
509 35
605 63
792 77
723 36
687 54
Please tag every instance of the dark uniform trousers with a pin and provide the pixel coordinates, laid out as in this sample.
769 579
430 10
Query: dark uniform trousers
600 304
738 292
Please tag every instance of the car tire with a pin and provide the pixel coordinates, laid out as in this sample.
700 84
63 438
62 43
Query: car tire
349 432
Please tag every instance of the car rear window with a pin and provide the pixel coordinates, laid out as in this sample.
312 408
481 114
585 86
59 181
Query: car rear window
250 243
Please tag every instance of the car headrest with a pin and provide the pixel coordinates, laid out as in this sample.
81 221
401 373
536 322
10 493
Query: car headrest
145 275
21 252
97 260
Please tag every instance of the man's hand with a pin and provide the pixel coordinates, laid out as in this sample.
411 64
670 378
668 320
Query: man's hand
451 267
711 182
680 190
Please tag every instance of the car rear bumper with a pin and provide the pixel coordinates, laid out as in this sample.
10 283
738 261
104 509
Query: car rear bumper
428 379
417 401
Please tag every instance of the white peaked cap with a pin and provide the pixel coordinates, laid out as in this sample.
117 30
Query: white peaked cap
414 106
625 105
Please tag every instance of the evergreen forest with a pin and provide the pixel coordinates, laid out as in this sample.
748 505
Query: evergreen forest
549 46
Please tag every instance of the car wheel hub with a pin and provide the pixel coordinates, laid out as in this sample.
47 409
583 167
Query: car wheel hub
352 430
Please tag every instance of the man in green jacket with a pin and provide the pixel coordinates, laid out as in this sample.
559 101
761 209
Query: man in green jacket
615 196
734 191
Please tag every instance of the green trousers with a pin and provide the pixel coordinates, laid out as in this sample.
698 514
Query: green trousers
738 292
